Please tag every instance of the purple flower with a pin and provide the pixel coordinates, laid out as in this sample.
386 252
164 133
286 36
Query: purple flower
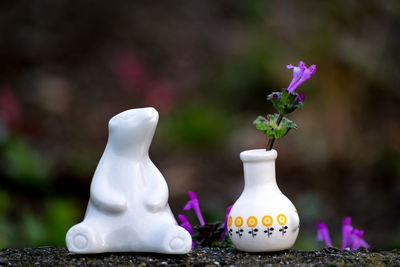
323 234
185 224
275 96
346 231
226 223
193 203
300 74
356 239
351 237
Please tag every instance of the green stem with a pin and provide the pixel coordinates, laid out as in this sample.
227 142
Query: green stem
271 140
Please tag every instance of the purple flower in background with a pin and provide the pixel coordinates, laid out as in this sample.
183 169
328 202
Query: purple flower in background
300 74
323 234
193 203
226 223
346 231
351 237
185 224
356 239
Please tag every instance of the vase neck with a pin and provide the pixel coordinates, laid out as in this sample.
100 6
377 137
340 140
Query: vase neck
259 173
259 167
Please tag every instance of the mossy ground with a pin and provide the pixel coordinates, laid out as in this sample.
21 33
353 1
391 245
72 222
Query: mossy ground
49 256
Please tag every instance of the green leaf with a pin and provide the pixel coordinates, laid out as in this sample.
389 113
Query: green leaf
299 105
270 127
260 123
284 102
288 123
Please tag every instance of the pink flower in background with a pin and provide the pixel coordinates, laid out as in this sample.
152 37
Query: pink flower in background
193 204
160 96
228 210
300 74
130 72
10 110
323 234
136 79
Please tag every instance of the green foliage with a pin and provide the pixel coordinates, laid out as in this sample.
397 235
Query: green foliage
196 126
270 127
22 162
285 102
208 235
33 229
227 243
6 229
245 77
7 233
50 227
306 241
61 214
253 11
4 201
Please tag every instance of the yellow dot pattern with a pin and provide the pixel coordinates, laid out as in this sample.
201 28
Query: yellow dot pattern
252 221
281 219
238 221
230 221
267 220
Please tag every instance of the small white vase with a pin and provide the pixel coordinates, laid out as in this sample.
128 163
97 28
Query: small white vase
263 218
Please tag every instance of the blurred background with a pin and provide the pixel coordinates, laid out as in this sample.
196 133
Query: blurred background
68 66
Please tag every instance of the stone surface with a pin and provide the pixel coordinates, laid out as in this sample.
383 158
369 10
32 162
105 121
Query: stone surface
49 256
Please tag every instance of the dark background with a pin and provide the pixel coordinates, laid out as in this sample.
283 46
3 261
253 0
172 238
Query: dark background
68 66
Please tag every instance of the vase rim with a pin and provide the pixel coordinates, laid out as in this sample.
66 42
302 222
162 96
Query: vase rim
258 155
